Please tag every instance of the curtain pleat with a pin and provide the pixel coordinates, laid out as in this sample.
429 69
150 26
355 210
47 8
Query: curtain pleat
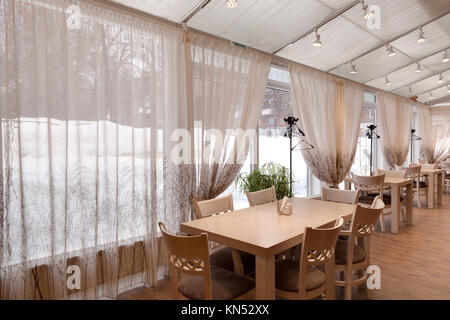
329 110
394 121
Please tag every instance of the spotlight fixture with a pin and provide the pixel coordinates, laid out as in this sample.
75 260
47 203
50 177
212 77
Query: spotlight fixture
388 82
421 38
353 68
390 50
431 96
441 79
410 89
367 13
418 68
317 43
445 58
448 88
231 4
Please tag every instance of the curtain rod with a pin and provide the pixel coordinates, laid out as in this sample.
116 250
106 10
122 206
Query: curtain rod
276 60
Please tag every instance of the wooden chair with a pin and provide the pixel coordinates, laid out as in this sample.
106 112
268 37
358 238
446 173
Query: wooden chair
419 186
371 187
222 256
353 254
429 166
446 166
305 279
261 197
342 196
189 256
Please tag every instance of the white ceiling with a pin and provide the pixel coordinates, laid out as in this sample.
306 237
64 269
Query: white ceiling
270 25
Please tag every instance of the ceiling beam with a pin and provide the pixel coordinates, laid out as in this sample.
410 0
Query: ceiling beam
196 10
435 88
317 26
424 78
411 63
444 13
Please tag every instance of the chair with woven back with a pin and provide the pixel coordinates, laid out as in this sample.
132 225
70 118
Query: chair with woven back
305 279
353 253
193 276
371 187
342 196
419 186
261 197
223 256
445 165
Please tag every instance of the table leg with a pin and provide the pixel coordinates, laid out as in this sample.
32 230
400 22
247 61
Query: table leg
237 262
409 203
430 191
439 187
395 204
265 278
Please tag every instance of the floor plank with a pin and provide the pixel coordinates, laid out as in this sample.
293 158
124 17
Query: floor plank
415 264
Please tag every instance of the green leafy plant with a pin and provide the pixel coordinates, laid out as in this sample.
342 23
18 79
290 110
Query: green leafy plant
270 174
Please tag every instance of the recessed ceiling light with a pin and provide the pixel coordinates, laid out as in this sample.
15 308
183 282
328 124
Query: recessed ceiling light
418 68
353 68
317 43
421 38
388 82
441 79
445 58
231 4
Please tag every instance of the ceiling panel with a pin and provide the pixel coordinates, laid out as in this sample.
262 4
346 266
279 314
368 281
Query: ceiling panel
437 94
266 25
425 85
399 16
437 34
375 64
173 10
341 40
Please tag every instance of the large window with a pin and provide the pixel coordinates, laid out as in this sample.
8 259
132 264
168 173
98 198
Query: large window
361 165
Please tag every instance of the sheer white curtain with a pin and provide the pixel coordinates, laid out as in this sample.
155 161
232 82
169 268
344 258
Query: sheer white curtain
228 92
427 144
330 115
394 121
87 98
440 117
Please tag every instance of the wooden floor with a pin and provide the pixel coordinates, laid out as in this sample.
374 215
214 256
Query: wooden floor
415 264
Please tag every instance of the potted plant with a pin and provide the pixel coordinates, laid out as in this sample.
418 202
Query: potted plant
270 174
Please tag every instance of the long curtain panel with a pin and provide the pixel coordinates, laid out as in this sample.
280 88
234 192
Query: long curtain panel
440 117
425 131
330 112
87 96
394 121
229 83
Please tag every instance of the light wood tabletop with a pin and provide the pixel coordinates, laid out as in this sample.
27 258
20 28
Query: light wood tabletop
260 230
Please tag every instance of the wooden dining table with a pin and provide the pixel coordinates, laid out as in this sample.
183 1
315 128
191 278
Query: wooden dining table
396 184
435 185
261 231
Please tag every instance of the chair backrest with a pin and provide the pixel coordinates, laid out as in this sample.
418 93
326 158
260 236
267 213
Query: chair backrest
429 166
445 165
211 207
365 219
318 248
392 173
368 183
413 164
188 255
399 168
261 197
337 195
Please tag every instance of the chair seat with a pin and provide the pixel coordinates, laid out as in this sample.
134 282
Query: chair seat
223 258
287 275
359 255
422 184
225 285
